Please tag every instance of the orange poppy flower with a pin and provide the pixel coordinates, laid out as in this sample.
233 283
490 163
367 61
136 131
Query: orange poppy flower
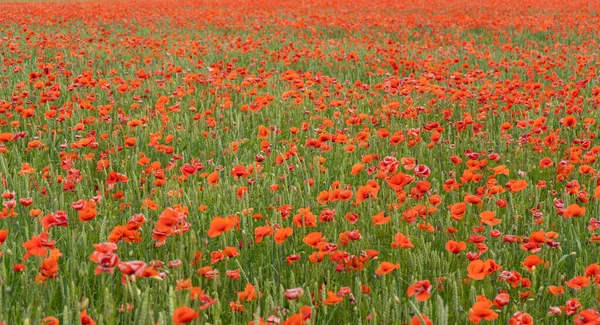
455 247
85 319
482 310
213 178
422 289
305 218
5 137
500 170
261 232
380 219
50 321
489 218
569 121
26 169
386 267
531 262
472 199
220 225
282 234
398 181
184 315
578 282
556 290
546 162
313 239
332 299
573 211
365 192
234 274
357 168
402 241
423 320
3 235
517 186
458 210
592 270
479 270
249 293
88 212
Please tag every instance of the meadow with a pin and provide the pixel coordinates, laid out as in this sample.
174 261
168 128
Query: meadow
299 162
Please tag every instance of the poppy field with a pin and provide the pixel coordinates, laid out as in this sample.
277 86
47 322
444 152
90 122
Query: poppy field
299 162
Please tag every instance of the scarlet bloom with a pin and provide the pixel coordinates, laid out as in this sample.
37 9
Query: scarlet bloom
546 162
573 211
578 282
184 315
489 218
313 238
299 318
263 132
423 320
292 258
556 291
261 232
501 300
305 218
592 270
365 192
357 168
521 318
234 274
458 210
220 225
241 191
332 299
26 201
473 199
402 241
422 171
282 234
479 270
587 317
532 261
5 137
249 293
398 181
482 310
386 267
59 219
351 217
213 178
380 219
86 319
455 247
49 268
517 186
88 212
50 321
422 289
38 245
569 121
3 235
572 306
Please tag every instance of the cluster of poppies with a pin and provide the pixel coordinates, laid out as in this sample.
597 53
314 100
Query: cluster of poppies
284 162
